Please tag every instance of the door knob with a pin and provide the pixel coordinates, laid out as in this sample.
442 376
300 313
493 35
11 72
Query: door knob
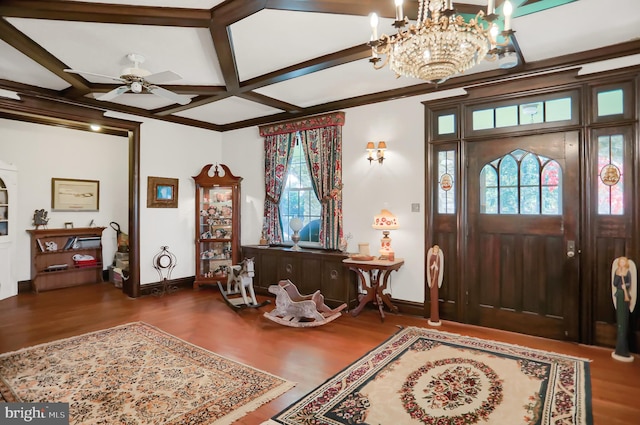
571 249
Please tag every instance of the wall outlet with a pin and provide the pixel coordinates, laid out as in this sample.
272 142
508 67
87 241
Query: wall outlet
415 207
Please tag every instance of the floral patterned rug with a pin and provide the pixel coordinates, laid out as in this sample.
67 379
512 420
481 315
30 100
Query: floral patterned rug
136 374
422 376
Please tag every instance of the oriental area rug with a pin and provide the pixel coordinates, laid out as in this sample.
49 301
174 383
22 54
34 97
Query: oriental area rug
136 374
421 376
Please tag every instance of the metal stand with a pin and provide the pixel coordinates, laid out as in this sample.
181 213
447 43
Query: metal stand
164 262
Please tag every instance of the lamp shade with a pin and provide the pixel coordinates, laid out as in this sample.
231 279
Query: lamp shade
370 145
295 224
385 221
382 145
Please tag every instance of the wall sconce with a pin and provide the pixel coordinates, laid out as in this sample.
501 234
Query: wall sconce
382 146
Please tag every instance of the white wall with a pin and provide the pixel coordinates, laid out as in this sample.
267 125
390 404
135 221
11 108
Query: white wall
41 152
180 152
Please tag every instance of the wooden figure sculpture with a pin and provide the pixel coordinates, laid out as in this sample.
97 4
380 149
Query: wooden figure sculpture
435 265
624 293
300 311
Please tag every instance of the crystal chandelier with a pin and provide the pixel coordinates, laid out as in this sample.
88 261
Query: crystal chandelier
441 43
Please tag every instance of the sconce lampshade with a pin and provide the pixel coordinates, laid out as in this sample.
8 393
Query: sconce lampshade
370 145
382 145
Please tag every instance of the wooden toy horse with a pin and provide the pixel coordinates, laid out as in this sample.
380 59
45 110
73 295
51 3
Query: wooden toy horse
300 311
240 282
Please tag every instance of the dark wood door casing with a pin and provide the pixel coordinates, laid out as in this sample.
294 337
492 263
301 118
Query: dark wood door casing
602 238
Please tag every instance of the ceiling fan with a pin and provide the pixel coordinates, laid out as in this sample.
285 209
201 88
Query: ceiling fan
139 80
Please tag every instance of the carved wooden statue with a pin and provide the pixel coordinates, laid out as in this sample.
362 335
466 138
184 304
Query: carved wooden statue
624 294
435 265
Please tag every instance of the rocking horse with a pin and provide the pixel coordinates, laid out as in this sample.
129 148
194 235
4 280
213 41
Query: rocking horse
300 311
240 282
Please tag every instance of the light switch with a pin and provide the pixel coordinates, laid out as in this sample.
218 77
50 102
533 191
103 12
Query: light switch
415 207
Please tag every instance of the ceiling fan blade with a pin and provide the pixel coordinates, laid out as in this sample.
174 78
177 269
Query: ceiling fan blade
113 93
73 71
177 98
162 77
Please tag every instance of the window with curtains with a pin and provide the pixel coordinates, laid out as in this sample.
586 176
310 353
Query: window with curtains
303 179
299 200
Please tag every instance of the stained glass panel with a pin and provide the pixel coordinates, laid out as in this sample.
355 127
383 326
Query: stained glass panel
508 200
611 175
446 183
488 190
522 185
551 188
508 171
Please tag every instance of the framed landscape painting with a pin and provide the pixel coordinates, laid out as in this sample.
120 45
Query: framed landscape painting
75 195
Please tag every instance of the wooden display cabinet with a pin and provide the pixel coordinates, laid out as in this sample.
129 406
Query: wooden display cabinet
217 224
52 262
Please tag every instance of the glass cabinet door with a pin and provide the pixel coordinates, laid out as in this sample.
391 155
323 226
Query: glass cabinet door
216 231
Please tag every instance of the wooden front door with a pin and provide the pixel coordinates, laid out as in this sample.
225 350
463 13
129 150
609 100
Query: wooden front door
522 268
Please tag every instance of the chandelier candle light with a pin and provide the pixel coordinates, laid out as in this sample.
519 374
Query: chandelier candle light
441 43
385 221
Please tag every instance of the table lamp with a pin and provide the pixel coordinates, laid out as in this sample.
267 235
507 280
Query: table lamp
385 221
295 224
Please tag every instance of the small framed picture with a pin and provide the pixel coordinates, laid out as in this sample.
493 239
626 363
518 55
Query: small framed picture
68 225
162 192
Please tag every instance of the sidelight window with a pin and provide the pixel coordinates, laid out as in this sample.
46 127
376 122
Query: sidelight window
521 182
446 186
611 174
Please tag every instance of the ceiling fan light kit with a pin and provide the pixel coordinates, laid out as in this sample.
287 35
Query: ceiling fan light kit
139 80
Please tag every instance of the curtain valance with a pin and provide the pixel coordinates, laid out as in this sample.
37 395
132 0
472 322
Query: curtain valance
309 123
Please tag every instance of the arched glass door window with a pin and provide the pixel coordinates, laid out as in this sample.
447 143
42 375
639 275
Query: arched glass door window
4 209
521 182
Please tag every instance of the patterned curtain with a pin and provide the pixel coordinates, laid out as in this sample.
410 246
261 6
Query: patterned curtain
277 151
323 150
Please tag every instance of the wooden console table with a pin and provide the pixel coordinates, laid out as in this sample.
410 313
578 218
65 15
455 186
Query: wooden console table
379 271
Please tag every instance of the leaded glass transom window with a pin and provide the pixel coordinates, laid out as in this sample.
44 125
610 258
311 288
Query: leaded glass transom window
446 182
547 111
611 175
521 182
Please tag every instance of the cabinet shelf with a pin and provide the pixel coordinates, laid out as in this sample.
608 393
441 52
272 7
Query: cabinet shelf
72 268
47 270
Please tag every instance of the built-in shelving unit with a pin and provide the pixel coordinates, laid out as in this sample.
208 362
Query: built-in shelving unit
65 257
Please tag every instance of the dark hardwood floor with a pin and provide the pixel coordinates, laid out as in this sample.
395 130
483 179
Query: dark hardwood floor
305 356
